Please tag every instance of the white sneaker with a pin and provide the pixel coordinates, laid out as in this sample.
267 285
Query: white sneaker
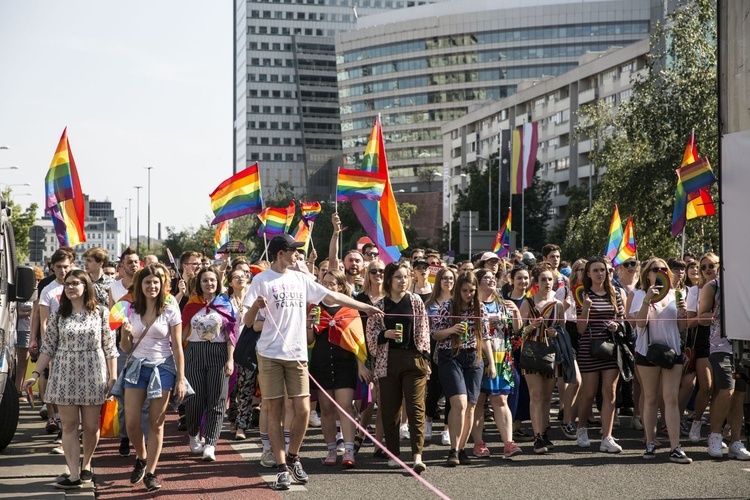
267 459
737 450
314 419
582 436
445 438
195 444
636 423
209 453
695 431
427 431
609 445
714 445
403 431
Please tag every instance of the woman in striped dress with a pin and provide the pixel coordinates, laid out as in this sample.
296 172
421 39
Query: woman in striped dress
597 319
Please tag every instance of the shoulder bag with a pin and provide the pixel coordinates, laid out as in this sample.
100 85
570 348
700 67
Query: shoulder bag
538 355
603 348
659 354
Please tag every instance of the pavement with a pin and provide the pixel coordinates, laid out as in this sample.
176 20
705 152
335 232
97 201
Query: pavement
27 469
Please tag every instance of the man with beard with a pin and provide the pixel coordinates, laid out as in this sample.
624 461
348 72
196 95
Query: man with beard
354 261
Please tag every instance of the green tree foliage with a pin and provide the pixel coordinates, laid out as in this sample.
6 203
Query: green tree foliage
21 220
643 143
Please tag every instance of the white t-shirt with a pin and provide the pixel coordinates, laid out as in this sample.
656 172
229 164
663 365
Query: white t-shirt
288 295
565 295
118 290
693 294
157 344
206 327
51 296
662 324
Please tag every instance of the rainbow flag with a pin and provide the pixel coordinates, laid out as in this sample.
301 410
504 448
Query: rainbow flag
289 216
273 221
345 330
380 219
64 197
238 195
302 233
690 178
221 236
524 147
700 203
358 184
627 245
310 210
501 246
615 235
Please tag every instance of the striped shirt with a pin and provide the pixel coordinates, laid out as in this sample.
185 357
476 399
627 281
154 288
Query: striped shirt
601 312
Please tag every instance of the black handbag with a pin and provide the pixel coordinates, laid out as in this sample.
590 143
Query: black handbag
538 356
603 349
659 354
244 351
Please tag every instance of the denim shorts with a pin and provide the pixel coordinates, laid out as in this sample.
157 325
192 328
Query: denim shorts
460 375
167 379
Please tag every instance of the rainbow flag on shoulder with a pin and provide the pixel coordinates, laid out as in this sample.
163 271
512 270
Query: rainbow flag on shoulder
64 197
238 195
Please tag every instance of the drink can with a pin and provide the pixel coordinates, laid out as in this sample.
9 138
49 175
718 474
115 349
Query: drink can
316 319
400 328
677 295
465 325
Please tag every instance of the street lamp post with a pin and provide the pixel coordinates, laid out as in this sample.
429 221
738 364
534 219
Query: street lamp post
138 219
450 208
489 190
130 221
148 217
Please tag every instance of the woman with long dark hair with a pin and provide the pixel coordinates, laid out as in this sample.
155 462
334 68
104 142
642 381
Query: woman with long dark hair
79 340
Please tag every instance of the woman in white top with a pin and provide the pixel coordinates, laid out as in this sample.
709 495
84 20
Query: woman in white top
156 369
659 323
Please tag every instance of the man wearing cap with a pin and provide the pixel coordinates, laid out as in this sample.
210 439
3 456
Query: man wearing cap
282 347
491 262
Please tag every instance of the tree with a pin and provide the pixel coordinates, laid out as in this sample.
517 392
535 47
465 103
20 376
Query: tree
642 144
21 220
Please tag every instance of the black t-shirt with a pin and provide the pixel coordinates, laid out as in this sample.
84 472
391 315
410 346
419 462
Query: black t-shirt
400 312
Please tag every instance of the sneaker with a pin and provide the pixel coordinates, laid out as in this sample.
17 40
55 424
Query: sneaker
392 464
283 481
463 458
58 438
511 450
549 444
138 471
569 430
314 419
714 445
582 436
636 423
678 456
695 431
539 447
452 459
182 424
124 449
480 450
427 431
150 482
523 436
67 484
403 432
52 426
298 473
650 452
87 475
58 450
419 467
684 428
609 445
43 413
240 434
331 458
445 438
737 450
348 459
209 453
267 459
195 445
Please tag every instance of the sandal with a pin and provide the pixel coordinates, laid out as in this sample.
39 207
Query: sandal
358 443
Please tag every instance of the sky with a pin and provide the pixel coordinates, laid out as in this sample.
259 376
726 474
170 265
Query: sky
138 84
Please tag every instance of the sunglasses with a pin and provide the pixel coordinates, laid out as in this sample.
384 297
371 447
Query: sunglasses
376 271
657 269
710 267
629 264
372 254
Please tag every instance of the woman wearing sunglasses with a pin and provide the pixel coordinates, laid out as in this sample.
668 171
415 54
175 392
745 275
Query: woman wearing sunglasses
659 322
698 336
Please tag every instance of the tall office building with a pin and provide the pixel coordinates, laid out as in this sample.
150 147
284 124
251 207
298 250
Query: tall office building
286 108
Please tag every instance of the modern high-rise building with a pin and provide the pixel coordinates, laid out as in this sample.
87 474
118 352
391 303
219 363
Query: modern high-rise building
426 66
286 108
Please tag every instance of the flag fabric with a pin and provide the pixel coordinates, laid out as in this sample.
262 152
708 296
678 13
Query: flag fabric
345 330
380 219
615 236
501 246
221 236
273 221
627 245
302 233
221 304
238 195
310 210
64 197
700 204
358 184
690 178
289 216
524 147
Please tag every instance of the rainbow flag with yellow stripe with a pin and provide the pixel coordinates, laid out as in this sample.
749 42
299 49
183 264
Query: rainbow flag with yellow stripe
221 236
302 234
238 195
358 184
64 198
627 245
501 246
615 235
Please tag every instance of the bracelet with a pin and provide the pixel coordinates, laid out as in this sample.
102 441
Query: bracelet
37 374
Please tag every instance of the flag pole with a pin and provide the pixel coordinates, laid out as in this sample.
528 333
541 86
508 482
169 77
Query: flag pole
265 242
682 254
523 217
312 245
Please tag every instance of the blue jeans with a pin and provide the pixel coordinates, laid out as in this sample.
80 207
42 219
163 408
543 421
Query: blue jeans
121 403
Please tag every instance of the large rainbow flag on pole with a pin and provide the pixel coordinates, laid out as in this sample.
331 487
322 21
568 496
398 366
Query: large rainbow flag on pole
238 195
627 245
358 184
380 219
690 178
615 235
64 197
700 203
501 246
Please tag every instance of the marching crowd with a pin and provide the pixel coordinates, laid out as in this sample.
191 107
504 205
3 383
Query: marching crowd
353 343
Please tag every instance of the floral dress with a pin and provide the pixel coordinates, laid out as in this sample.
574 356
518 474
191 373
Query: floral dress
79 345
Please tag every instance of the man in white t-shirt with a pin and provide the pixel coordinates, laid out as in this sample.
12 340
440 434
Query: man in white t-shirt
282 347
129 263
49 300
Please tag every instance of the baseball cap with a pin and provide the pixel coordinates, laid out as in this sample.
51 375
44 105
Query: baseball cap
282 242
419 262
489 256
528 255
